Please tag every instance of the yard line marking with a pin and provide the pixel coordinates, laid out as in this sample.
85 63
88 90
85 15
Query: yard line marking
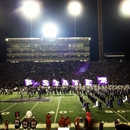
9 107
115 112
118 114
57 110
51 100
31 109
34 105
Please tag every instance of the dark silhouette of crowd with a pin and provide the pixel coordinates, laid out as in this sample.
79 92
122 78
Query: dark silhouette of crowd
13 74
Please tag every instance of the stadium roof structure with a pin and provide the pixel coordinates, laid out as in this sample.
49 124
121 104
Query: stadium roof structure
55 39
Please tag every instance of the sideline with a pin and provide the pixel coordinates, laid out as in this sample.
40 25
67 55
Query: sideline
55 125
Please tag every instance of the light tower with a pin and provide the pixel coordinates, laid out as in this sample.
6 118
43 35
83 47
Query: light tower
75 9
100 30
30 9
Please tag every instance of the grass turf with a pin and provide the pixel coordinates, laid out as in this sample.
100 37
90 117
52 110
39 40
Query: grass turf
67 105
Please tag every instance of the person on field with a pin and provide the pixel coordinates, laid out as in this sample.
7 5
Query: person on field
121 101
29 115
48 123
111 103
76 123
67 122
117 122
33 123
48 115
87 106
25 123
6 124
88 113
101 124
61 122
100 105
17 123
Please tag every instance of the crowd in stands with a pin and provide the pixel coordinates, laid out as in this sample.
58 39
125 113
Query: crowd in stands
13 74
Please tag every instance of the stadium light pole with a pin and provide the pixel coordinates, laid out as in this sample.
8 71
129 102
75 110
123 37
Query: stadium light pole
74 8
31 9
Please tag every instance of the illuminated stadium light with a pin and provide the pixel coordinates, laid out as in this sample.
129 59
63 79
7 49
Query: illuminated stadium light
31 9
49 30
125 8
75 8
6 39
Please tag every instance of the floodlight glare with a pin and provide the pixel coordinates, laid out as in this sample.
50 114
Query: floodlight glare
31 9
49 30
6 39
125 7
74 8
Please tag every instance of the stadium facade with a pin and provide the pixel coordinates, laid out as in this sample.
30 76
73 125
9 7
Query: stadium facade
48 49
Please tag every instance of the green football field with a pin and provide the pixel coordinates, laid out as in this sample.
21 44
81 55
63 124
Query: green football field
57 105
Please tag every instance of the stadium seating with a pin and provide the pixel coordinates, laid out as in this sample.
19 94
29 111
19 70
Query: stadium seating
13 74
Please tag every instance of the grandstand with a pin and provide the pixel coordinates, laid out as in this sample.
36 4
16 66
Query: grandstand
48 50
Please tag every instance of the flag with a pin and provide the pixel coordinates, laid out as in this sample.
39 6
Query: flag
125 98
83 106
96 104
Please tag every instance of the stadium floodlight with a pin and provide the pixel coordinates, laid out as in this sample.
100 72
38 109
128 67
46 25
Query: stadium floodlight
6 39
75 9
125 8
49 30
30 9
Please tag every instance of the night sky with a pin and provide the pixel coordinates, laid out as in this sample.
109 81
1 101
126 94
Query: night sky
116 29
